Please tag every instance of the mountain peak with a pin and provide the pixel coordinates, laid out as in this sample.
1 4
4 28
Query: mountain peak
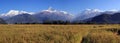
50 9
15 12
92 10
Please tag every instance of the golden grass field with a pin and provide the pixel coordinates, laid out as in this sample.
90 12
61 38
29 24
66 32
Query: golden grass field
59 33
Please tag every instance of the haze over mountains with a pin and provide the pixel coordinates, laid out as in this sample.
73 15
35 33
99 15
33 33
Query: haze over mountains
86 16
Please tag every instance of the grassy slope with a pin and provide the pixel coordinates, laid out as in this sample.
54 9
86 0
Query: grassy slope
58 34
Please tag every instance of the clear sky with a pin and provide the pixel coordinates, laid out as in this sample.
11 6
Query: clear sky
71 6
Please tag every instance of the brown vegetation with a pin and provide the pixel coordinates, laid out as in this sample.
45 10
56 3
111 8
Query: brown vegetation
59 33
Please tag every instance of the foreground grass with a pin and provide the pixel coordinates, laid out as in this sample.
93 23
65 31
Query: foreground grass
59 34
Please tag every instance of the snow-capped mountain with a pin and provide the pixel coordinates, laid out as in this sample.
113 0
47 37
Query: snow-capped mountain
106 19
45 15
52 14
12 13
15 16
88 13
22 18
111 11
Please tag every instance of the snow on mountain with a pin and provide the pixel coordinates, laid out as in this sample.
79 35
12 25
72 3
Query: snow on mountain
111 11
12 13
44 15
14 16
51 10
52 14
88 13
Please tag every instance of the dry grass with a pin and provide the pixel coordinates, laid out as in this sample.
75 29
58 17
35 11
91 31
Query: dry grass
58 34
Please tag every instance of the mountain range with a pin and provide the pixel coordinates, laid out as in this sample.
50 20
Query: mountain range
106 19
86 16
50 14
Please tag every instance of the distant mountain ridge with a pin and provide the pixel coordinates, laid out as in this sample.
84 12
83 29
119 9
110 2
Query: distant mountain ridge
86 16
12 13
52 14
22 18
106 19
45 15
2 21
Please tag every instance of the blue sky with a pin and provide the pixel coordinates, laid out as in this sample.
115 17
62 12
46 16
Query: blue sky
71 6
